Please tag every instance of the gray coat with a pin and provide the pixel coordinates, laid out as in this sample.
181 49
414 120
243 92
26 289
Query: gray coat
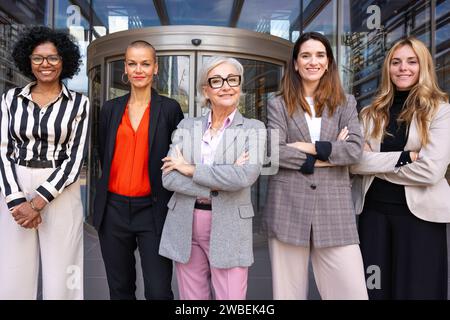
231 242
304 208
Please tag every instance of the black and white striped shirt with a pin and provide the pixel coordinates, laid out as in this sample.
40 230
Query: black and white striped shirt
57 131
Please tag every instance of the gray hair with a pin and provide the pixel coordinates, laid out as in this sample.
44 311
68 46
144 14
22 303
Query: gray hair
207 66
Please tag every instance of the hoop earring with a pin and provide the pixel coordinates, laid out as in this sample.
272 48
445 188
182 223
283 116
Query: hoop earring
128 80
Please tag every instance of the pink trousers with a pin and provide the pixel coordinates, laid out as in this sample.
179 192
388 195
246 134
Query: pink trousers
197 279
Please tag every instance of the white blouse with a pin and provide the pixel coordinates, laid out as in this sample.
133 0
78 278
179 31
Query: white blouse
314 123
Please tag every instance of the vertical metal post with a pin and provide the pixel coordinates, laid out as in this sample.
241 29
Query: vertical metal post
339 30
51 13
433 29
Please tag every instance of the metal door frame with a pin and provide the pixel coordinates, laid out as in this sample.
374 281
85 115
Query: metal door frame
195 41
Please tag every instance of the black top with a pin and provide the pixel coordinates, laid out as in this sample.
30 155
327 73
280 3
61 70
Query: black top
395 140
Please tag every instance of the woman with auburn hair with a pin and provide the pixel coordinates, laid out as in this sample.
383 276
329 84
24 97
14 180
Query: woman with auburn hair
402 191
309 210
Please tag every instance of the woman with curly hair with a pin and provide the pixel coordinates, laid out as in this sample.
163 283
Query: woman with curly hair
43 133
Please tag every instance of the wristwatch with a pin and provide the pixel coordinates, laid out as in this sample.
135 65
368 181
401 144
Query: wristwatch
32 206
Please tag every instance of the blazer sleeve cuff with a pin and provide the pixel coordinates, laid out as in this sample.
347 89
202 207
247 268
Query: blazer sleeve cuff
323 149
308 166
404 158
14 199
47 191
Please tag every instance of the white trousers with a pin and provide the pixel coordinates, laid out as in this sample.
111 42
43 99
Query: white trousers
58 239
338 271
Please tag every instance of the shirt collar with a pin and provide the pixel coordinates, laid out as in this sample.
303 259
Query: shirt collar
26 91
227 122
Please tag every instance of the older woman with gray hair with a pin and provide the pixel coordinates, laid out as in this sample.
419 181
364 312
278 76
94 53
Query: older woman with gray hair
212 163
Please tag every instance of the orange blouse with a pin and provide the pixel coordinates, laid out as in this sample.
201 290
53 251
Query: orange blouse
129 169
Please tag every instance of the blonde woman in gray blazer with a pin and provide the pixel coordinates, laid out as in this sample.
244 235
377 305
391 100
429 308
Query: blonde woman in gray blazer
212 163
401 189
309 210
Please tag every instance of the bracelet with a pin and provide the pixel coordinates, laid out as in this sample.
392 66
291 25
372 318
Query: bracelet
32 206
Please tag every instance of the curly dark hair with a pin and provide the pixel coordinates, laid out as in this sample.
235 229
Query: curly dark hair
64 43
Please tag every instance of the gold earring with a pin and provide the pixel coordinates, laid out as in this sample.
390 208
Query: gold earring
127 80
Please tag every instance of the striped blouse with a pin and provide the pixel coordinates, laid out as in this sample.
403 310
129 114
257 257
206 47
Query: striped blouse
56 131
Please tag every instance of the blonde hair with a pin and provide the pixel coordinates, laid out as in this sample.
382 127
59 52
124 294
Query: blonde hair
422 102
207 67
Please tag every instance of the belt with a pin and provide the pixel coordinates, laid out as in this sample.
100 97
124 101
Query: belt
203 206
39 163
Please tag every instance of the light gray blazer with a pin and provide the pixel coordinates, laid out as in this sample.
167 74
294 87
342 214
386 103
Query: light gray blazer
313 208
231 242
426 189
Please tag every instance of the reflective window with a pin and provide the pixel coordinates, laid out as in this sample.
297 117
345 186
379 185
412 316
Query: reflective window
117 15
173 79
442 9
278 18
93 159
199 12
443 44
323 21
75 19
14 17
443 48
370 29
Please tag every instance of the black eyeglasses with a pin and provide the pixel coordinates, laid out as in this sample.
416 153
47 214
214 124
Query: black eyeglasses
38 59
217 82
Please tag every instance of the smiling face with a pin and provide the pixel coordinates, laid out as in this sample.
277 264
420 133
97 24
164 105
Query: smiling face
46 72
311 62
226 96
140 66
404 68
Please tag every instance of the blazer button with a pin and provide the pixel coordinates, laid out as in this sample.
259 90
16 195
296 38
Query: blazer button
214 193
313 186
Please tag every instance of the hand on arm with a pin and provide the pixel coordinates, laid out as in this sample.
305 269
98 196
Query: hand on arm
413 155
177 163
244 157
26 216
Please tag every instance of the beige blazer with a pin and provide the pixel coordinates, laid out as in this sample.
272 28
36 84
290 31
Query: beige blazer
426 188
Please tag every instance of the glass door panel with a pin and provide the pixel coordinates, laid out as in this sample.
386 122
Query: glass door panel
173 79
93 158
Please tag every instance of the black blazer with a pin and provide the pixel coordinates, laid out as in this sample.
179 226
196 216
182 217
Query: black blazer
165 114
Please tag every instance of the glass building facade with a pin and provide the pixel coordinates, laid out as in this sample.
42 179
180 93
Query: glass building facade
360 32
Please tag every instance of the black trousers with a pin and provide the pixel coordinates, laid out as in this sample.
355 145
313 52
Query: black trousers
129 223
411 253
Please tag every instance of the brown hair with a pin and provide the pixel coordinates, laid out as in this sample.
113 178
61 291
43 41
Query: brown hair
422 102
329 93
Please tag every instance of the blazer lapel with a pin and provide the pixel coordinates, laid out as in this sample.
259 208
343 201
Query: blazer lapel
155 109
197 138
326 130
116 118
228 138
300 121
414 141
